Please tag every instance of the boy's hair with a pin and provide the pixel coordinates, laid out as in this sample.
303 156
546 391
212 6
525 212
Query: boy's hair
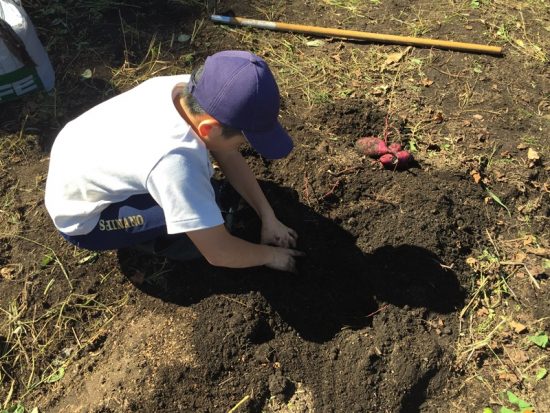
196 109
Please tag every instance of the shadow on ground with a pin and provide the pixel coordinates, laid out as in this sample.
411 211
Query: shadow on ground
338 285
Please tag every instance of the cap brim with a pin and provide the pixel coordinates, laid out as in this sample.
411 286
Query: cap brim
272 144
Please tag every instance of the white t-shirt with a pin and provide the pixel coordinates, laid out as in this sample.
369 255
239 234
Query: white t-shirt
134 143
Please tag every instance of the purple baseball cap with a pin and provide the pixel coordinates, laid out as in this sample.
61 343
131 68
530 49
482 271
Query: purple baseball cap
238 89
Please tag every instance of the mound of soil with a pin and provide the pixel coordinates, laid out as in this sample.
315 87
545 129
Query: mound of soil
368 322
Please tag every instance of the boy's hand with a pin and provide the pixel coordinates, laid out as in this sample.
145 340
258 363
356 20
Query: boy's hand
274 232
284 259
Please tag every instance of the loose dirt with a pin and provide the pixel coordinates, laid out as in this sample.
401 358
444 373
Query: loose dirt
370 321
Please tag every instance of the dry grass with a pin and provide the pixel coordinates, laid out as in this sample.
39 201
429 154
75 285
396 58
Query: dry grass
494 347
31 354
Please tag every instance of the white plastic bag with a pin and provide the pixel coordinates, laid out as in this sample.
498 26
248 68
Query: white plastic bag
24 64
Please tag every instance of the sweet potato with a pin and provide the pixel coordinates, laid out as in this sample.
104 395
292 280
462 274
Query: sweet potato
394 147
400 160
388 160
404 158
372 146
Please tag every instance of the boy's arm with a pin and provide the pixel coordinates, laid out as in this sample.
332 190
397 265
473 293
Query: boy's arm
224 250
243 180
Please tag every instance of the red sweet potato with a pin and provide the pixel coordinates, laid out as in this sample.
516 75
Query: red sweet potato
394 147
404 158
372 146
400 160
388 160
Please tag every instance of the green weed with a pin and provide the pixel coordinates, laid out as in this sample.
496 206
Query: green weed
524 407
540 339
18 408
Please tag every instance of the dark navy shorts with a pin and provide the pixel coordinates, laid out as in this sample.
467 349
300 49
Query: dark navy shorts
139 219
133 221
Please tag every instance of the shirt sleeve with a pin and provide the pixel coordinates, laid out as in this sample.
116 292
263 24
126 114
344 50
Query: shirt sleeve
180 184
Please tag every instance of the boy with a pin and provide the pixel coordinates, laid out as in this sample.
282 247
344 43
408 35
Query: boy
135 169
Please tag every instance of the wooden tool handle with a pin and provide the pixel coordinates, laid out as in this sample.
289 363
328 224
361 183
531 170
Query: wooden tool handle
359 35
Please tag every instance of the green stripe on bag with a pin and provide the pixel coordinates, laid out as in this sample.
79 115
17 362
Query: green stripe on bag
18 83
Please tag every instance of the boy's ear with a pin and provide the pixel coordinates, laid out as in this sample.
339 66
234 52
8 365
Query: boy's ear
208 126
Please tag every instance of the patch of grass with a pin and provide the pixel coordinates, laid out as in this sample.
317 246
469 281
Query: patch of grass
506 355
31 355
272 11
508 25
352 6
155 61
335 73
416 27
10 224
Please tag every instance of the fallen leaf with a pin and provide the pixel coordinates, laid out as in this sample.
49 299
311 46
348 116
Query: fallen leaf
471 261
10 271
528 240
477 117
482 312
518 356
532 155
522 146
512 378
315 43
86 74
438 117
89 258
517 327
476 176
520 257
426 82
396 57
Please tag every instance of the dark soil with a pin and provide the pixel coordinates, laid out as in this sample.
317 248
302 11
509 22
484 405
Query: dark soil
369 322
